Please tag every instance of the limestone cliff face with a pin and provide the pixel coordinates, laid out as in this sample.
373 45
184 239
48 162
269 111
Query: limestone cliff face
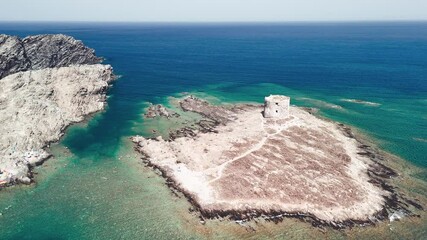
42 51
47 82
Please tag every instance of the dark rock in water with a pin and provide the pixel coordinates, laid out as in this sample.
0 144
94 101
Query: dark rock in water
159 110
42 51
414 203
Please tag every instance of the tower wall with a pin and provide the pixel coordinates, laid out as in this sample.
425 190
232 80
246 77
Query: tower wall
276 106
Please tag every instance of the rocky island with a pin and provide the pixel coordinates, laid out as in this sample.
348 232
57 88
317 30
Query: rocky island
245 161
47 82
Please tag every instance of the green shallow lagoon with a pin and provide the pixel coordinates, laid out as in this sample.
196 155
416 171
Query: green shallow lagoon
95 186
106 193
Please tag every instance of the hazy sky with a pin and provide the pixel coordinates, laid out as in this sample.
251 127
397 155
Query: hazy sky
212 10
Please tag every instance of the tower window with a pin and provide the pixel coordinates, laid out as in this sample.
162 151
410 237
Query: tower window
277 111
277 104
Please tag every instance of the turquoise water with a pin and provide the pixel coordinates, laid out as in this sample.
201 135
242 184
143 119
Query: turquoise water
95 187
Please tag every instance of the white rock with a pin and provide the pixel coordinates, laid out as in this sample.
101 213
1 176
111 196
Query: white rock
36 106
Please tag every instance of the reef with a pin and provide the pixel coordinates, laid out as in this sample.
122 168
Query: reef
159 110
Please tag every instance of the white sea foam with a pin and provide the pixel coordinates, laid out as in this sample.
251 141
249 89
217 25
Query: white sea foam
358 101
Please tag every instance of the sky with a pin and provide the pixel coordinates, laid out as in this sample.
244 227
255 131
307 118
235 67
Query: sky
212 10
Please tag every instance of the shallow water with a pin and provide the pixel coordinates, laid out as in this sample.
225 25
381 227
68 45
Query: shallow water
95 187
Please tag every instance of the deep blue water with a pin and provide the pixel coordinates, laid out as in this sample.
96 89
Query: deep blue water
379 62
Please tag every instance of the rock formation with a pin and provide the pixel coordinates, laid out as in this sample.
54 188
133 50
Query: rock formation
37 105
236 163
12 56
159 110
42 51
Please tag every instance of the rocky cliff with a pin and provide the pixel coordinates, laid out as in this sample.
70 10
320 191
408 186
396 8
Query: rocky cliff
51 81
42 51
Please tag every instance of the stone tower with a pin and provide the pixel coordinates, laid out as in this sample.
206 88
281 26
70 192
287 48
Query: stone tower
276 106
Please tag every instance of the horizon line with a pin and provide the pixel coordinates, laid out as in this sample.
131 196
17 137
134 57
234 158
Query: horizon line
222 22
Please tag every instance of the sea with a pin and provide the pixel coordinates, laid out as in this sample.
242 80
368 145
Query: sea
370 75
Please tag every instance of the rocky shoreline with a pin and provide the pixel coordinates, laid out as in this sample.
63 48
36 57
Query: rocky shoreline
159 110
395 206
48 82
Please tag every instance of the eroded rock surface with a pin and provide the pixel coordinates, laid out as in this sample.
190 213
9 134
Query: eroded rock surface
159 110
36 106
12 56
42 51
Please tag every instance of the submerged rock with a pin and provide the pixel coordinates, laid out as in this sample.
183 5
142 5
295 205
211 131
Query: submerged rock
159 110
396 216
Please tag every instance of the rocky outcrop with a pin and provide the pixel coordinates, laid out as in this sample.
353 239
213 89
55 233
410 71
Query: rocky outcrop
235 163
12 56
35 108
215 113
42 51
47 83
159 110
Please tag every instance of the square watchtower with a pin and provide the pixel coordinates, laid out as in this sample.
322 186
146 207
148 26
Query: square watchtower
276 106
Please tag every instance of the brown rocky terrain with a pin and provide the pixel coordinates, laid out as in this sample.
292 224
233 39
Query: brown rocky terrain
238 164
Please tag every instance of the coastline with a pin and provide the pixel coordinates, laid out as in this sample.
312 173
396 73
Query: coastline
395 206
96 187
86 119
48 82
96 102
